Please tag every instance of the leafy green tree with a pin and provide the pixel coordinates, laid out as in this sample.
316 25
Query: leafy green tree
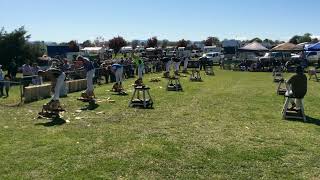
164 43
256 40
87 43
134 44
210 41
152 42
295 39
182 43
15 45
305 38
117 43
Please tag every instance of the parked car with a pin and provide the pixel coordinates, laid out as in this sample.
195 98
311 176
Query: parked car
215 57
195 53
313 57
279 56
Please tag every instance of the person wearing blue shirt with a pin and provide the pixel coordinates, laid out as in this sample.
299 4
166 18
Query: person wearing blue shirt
90 70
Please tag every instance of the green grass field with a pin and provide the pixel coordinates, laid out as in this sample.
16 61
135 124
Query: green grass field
227 127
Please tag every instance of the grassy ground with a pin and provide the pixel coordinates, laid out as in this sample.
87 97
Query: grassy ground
227 127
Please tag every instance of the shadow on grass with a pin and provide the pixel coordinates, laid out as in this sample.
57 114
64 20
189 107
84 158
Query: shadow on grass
142 108
119 94
90 107
310 120
53 122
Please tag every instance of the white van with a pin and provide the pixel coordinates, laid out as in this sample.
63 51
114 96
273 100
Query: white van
215 57
313 56
127 49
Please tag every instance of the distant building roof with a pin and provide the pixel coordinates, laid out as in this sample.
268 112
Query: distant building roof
287 47
254 46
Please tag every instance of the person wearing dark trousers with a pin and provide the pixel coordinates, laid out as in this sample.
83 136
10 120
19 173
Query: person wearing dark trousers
12 70
27 74
6 84
203 62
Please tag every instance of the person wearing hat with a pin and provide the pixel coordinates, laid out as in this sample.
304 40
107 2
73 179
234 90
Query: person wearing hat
298 86
90 71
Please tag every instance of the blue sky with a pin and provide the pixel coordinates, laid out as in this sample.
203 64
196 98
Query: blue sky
63 20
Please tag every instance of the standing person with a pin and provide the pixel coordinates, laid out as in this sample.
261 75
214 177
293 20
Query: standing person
1 81
177 62
167 62
185 64
298 85
36 80
140 65
12 70
6 84
203 61
27 73
97 75
90 70
105 70
186 60
117 69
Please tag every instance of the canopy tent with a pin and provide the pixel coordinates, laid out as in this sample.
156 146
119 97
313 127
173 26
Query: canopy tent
287 47
313 47
253 47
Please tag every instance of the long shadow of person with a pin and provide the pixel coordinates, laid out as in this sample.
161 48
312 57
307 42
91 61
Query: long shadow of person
310 120
53 122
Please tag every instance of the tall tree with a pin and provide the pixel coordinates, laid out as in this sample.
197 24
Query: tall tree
256 40
305 38
134 44
210 41
182 43
73 45
164 43
15 45
295 39
117 43
152 42
87 43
